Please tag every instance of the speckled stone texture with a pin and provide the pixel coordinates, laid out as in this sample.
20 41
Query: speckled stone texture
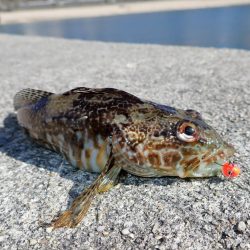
139 213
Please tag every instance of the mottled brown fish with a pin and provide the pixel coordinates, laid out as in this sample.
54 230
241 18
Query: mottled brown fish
107 130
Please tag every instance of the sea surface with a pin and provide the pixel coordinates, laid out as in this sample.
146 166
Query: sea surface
224 27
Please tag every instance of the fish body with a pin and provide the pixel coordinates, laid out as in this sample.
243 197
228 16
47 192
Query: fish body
147 139
107 130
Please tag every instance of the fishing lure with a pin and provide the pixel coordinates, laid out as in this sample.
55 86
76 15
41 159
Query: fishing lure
107 130
230 170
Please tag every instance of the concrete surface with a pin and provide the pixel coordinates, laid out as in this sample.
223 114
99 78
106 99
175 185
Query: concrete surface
27 16
158 213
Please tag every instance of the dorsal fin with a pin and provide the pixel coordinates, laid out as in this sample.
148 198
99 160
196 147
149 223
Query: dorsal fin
29 96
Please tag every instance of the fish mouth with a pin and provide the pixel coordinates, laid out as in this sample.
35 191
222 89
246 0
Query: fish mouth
223 153
211 164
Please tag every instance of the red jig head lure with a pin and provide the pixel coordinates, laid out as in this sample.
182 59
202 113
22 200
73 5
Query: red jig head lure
230 170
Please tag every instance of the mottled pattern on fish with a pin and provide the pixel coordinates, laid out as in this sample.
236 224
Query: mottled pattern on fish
107 130
84 124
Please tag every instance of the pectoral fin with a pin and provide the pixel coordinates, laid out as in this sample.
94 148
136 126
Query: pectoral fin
109 180
106 180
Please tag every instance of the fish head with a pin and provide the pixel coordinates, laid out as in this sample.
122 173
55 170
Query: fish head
158 140
189 146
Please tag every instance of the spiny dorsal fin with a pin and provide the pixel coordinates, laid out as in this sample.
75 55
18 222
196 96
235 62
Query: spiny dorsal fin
29 96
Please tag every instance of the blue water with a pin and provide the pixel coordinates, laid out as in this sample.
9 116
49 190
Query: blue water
215 27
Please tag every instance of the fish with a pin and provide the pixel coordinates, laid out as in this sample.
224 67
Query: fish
106 130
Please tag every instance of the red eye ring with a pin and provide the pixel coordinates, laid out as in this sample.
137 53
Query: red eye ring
187 132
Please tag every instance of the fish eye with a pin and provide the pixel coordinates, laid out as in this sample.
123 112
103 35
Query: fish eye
187 132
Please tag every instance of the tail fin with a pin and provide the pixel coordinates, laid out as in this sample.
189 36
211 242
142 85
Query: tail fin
28 96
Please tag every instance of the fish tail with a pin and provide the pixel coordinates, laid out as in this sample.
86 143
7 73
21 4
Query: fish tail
28 96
